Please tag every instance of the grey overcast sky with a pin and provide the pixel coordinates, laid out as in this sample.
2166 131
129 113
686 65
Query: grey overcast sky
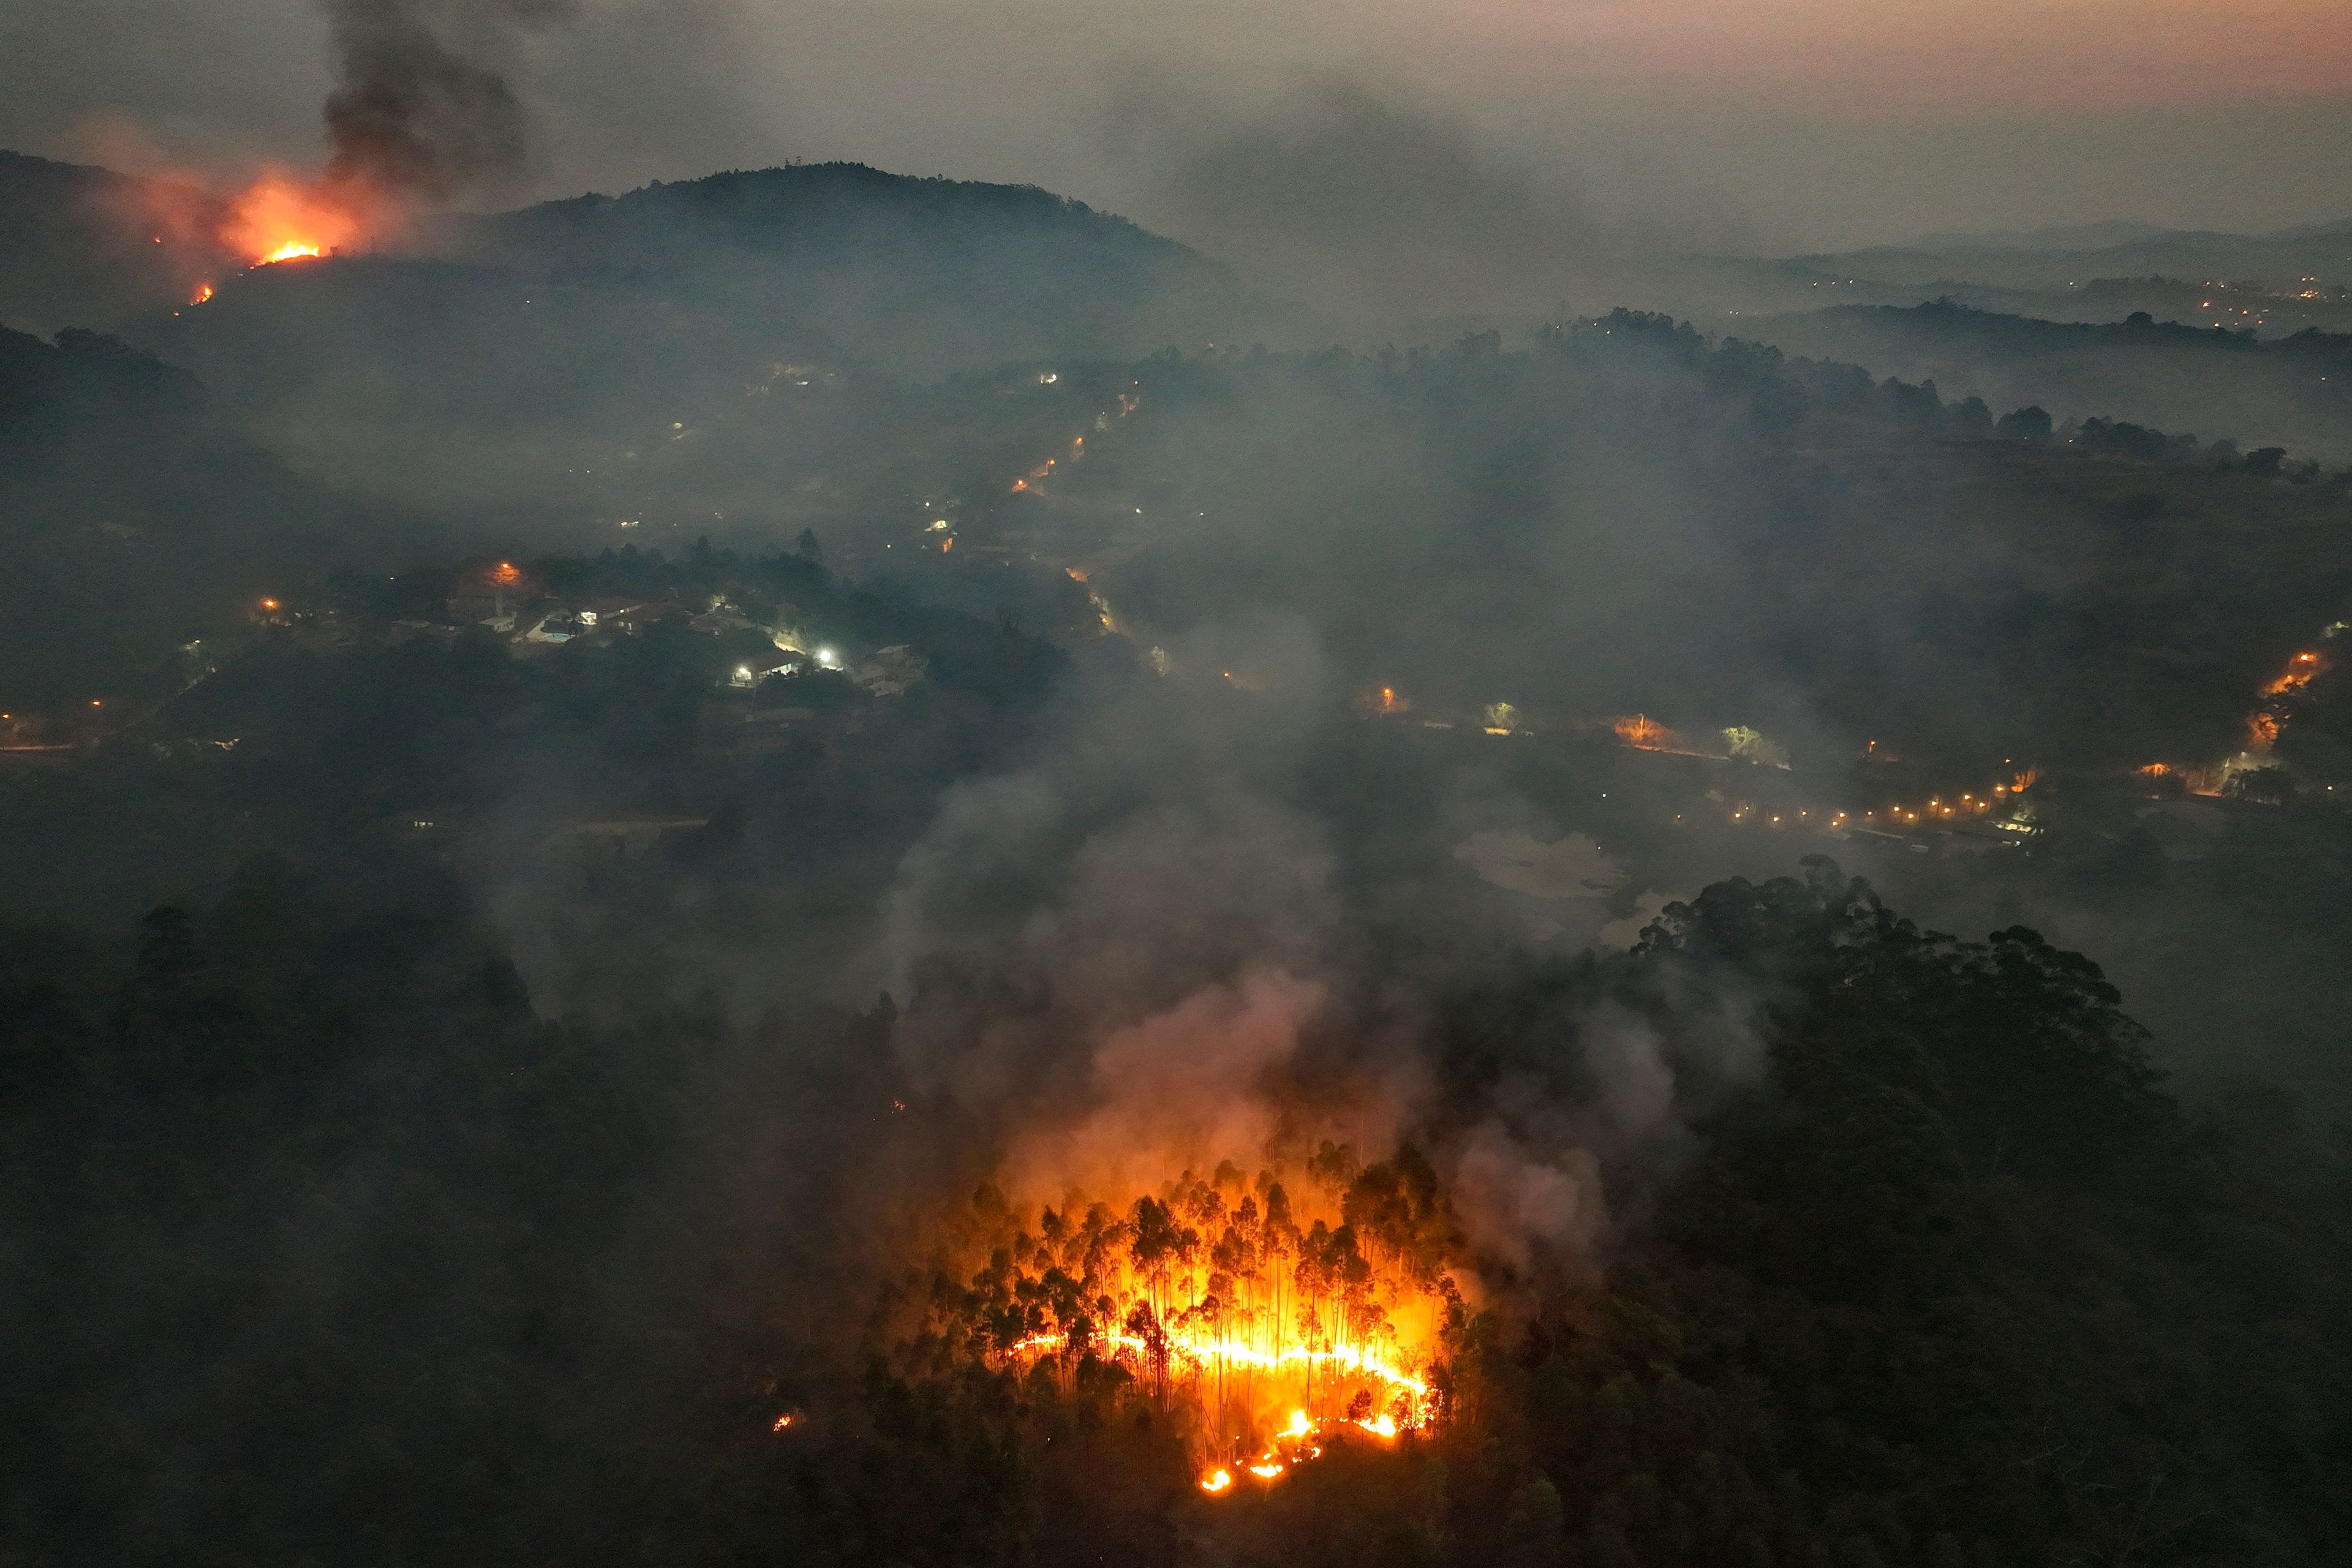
1773 125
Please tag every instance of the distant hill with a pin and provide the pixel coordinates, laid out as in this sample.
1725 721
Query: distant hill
2294 391
505 348
2054 258
859 263
88 247
2064 237
833 210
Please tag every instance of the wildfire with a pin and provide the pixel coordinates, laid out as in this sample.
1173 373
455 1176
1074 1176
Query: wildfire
203 292
281 218
2301 671
1281 1323
1645 733
2264 724
1295 1445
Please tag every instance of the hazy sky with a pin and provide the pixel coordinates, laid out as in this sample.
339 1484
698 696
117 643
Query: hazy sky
1773 124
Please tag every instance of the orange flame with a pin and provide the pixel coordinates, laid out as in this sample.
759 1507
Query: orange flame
203 291
280 219
2300 672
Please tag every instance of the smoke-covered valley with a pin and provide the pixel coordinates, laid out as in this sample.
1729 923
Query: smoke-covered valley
806 866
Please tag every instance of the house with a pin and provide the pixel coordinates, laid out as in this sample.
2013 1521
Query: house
605 607
638 617
748 676
890 671
476 603
723 617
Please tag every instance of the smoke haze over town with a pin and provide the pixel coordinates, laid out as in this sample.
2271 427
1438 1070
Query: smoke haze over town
909 784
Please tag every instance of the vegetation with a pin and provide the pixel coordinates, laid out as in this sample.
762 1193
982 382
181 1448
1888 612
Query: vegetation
445 1112
302 1188
1956 1282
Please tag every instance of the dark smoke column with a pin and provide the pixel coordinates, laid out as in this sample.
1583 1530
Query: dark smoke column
424 109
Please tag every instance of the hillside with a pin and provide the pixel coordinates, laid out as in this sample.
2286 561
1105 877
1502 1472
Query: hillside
138 525
2294 391
83 247
833 209
529 344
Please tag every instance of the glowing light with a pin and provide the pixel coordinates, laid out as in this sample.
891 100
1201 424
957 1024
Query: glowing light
280 219
203 291
1644 732
1286 1331
782 1422
1217 1481
2300 672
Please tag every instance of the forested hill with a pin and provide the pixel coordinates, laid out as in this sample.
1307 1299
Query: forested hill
138 520
852 262
578 326
826 208
2294 391
85 247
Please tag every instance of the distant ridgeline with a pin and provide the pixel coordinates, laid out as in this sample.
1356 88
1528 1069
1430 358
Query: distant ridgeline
929 274
2294 391
819 206
1947 321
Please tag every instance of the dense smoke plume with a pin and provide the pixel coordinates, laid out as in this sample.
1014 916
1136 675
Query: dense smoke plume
1161 945
423 109
1373 208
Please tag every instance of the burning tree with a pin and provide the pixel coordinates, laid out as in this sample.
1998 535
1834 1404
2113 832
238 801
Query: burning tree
1264 1321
